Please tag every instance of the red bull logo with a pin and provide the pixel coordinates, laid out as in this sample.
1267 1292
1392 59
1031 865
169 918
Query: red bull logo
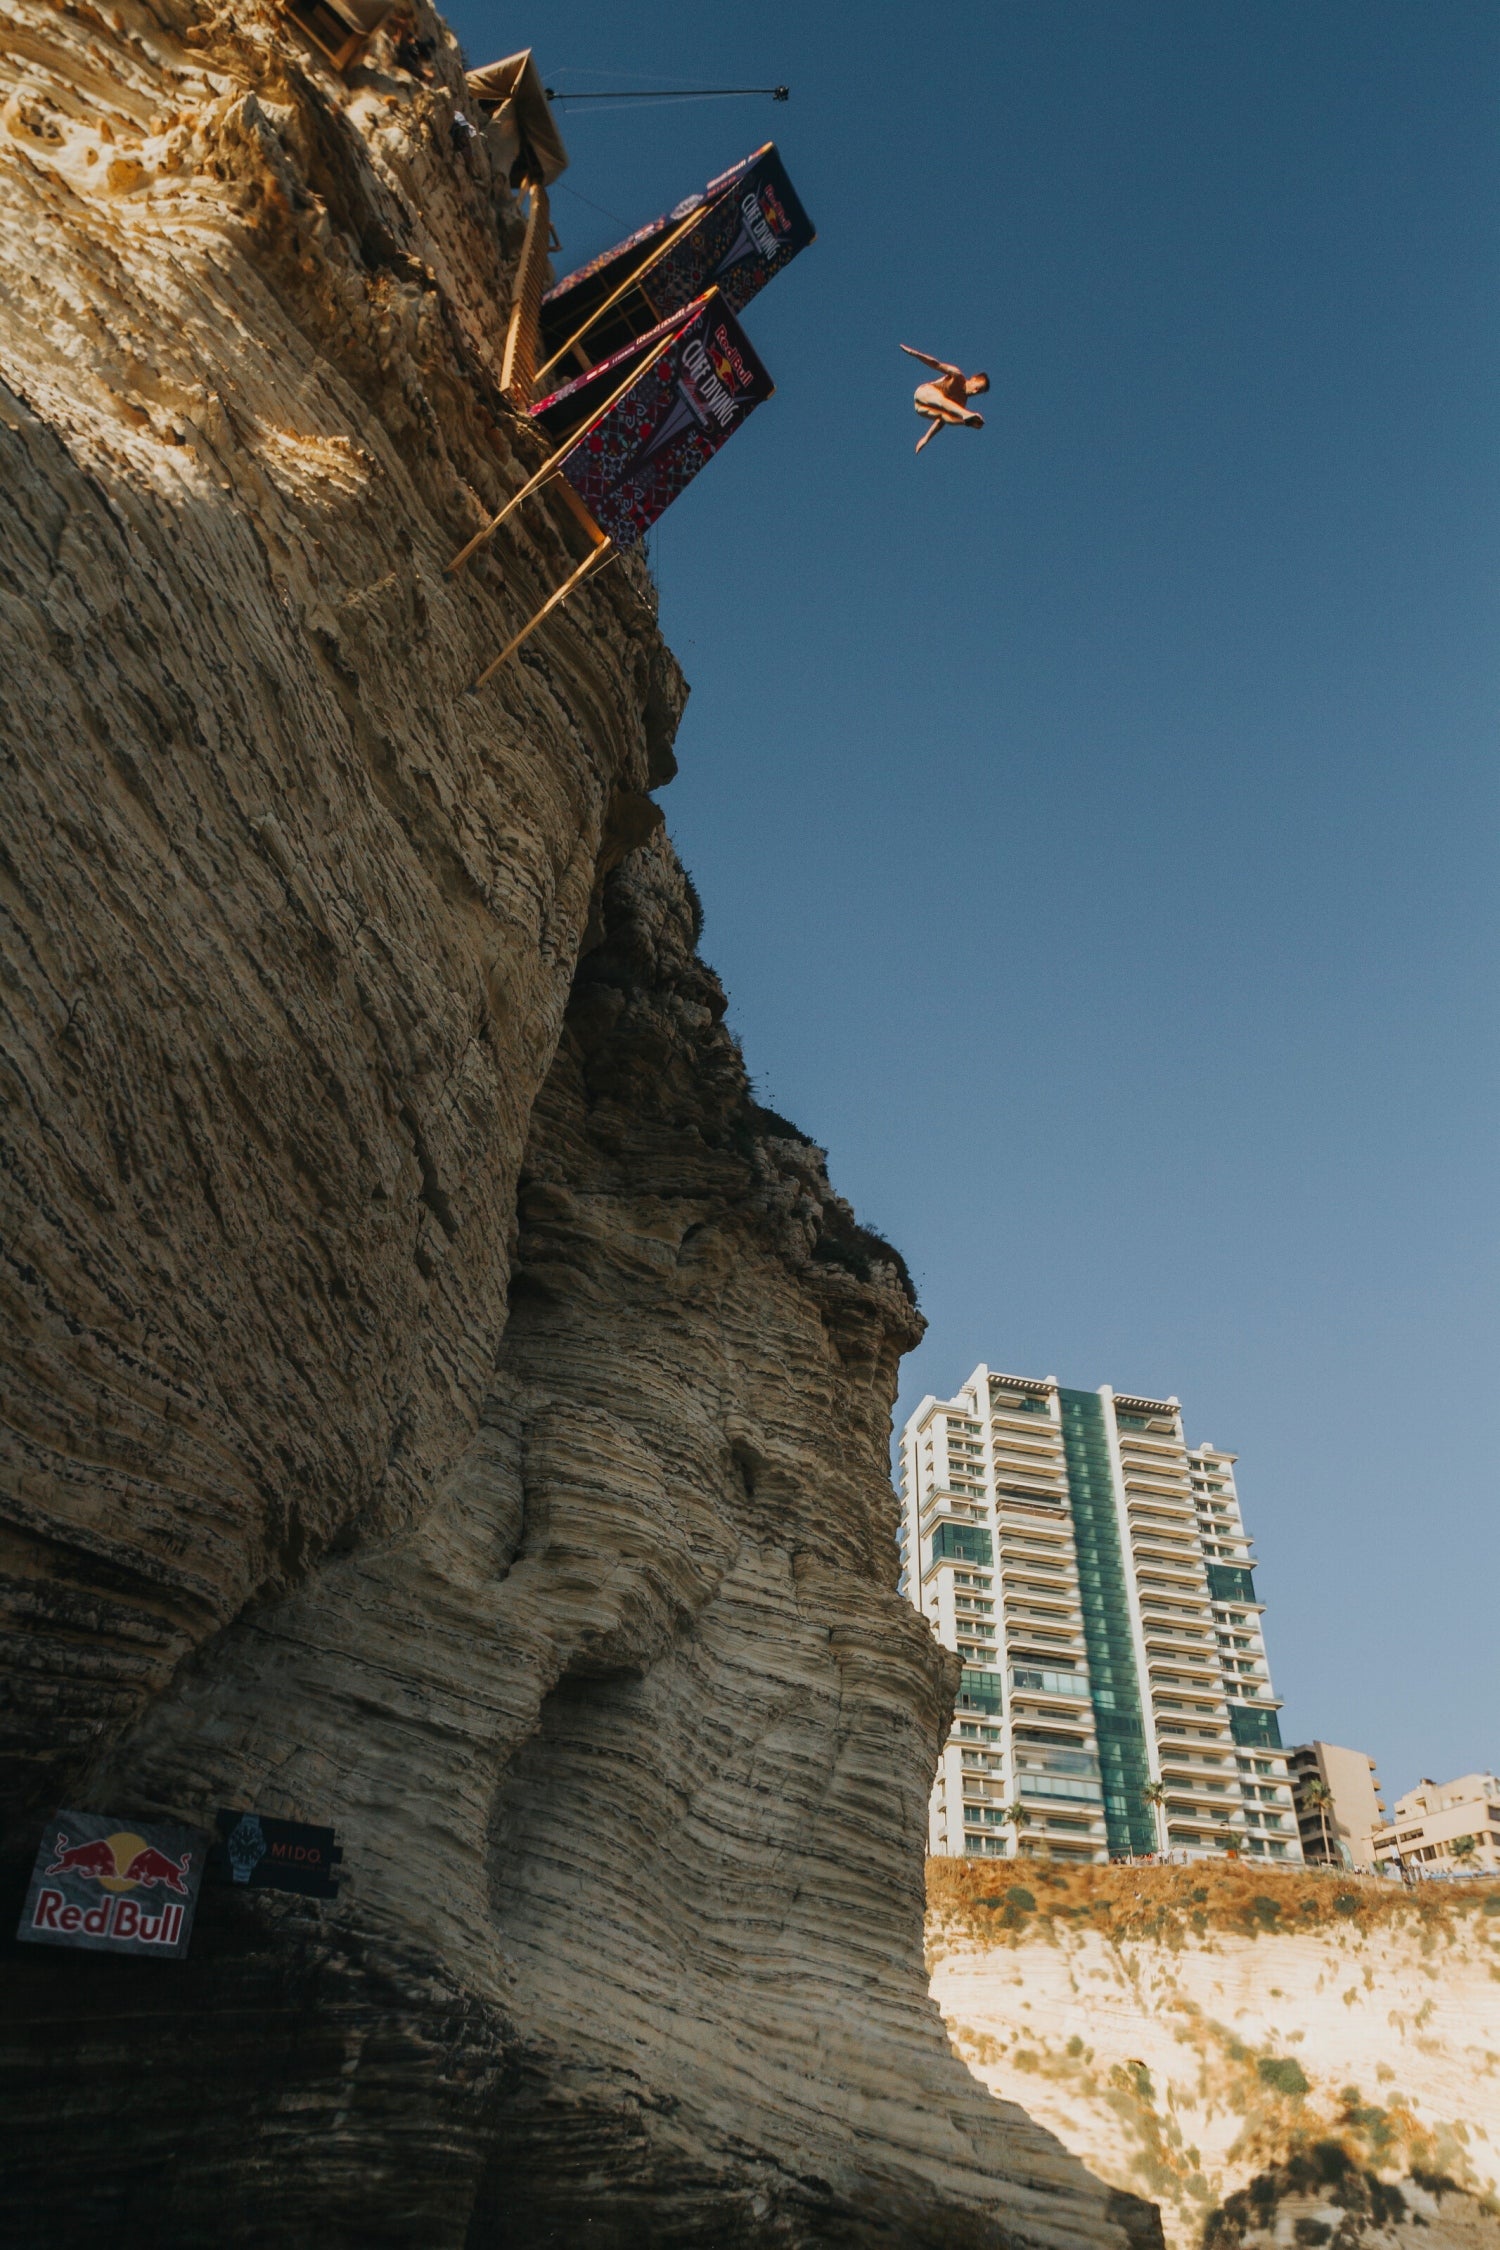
774 212
121 1861
728 363
756 215
119 1890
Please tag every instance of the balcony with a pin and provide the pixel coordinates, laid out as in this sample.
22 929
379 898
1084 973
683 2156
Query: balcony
1052 1650
1218 1794
946 1509
1035 1680
1037 1585
1159 1649
1155 1475
1187 1572
1060 1789
1076 1720
1027 1437
1154 1552
1029 1402
1066 1663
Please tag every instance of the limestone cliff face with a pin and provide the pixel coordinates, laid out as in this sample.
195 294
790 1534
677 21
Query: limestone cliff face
1254 2049
290 919
435 1398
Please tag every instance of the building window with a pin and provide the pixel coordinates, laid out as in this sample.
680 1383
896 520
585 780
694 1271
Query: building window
1049 1683
979 1691
962 1542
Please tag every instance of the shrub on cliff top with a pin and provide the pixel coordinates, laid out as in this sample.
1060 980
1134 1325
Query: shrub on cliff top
1176 1905
843 1242
1283 2072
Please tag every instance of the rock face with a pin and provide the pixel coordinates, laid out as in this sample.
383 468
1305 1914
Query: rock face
290 919
436 1399
1245 2045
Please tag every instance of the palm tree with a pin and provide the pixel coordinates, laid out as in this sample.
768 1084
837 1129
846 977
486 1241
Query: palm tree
1464 1850
1016 1816
1317 1797
1155 1795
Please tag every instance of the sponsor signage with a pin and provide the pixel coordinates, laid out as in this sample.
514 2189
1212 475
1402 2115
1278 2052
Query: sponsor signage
275 1855
734 237
630 462
109 1885
572 405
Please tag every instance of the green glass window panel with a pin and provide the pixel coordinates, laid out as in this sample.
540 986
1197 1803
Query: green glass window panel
1227 1582
1046 1785
1122 1725
1107 1637
1049 1683
962 1542
979 1691
1254 1730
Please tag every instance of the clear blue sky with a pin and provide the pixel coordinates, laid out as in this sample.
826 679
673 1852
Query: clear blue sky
1096 817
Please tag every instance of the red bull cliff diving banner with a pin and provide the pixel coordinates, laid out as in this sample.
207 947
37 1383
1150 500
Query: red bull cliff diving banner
111 1886
636 450
734 237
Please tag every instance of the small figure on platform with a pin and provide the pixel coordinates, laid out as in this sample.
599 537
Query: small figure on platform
946 400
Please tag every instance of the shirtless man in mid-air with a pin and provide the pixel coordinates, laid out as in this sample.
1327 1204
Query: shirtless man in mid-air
946 400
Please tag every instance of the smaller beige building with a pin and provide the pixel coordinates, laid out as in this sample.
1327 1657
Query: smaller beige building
1432 1817
1340 1833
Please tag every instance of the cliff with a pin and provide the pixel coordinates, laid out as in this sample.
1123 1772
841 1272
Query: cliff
1262 2052
435 1400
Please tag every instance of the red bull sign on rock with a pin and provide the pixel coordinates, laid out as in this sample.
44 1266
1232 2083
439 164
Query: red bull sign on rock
108 1885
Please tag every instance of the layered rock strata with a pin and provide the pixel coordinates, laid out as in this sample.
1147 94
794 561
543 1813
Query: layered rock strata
290 916
436 1400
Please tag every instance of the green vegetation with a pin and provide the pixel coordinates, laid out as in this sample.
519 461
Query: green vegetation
1176 1905
1317 1796
1284 2073
1326 2170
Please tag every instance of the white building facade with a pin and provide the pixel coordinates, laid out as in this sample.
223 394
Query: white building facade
1093 1572
1435 1817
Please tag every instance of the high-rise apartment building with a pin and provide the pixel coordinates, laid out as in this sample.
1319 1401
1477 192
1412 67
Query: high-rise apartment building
1093 1572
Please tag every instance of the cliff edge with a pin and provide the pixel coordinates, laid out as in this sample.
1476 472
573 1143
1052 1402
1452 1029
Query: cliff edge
1273 2054
435 1399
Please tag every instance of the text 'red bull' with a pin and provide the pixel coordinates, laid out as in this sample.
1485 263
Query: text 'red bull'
119 1918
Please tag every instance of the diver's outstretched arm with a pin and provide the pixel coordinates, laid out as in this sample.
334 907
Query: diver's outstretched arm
929 433
941 365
